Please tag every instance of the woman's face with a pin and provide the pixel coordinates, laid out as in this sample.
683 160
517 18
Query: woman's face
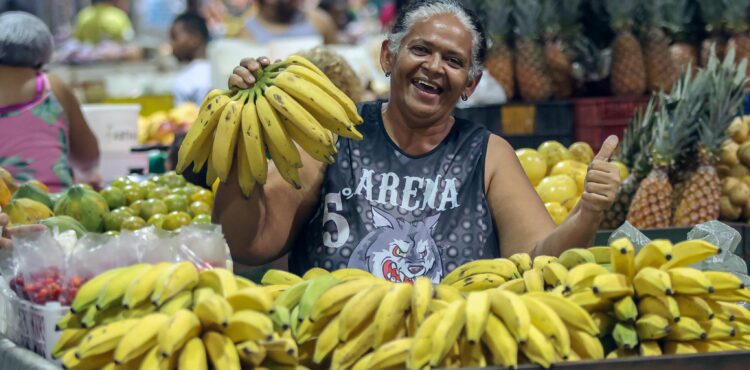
431 70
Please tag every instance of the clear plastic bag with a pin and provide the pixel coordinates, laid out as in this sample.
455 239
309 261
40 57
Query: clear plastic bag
39 265
627 230
92 255
726 238
203 245
152 245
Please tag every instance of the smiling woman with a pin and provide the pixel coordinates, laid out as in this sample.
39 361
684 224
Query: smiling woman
423 192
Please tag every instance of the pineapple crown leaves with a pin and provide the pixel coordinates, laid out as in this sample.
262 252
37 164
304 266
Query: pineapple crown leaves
621 13
724 97
633 138
561 19
655 13
735 15
527 15
641 164
712 12
678 15
498 17
677 118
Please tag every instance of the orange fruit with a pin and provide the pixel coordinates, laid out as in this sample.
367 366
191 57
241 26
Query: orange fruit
158 192
176 202
202 219
202 195
175 220
200 208
133 223
157 220
151 207
134 192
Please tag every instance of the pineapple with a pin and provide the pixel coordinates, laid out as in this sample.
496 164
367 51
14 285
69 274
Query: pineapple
337 69
628 70
499 61
712 12
634 154
560 21
681 51
660 70
674 123
531 71
702 191
736 16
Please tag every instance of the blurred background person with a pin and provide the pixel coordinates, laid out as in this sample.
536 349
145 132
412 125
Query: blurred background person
280 19
188 37
51 139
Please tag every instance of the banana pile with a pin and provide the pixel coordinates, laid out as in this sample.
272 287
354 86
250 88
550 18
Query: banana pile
595 303
652 303
171 316
292 102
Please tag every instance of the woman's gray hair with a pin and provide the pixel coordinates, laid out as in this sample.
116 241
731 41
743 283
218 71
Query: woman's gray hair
418 10
25 41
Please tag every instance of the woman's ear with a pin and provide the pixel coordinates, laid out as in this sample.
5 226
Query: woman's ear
386 57
472 85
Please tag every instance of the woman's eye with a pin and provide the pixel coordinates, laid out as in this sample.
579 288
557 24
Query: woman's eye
420 50
456 63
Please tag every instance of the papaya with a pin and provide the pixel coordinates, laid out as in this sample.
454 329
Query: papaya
25 211
64 223
85 205
8 179
30 191
5 194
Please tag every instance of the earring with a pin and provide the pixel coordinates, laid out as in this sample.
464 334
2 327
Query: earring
388 74
464 97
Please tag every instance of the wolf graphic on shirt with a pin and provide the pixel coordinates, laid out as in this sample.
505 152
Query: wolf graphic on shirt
398 250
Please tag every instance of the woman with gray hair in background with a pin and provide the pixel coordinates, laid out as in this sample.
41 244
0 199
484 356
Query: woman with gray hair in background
43 132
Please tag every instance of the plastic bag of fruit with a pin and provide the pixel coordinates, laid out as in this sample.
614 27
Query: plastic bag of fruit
152 244
203 245
92 255
726 238
627 230
38 263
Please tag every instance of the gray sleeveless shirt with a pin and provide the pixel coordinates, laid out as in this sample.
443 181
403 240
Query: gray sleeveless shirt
399 216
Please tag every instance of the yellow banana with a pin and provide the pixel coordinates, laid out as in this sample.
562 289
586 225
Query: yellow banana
244 173
253 298
576 256
690 281
103 339
447 331
140 339
225 139
590 301
686 329
142 286
214 312
329 88
69 338
249 325
689 252
391 312
540 261
625 309
722 280
359 311
538 349
280 277
694 307
253 141
251 353
174 279
604 321
283 151
649 348
654 254
717 329
533 280
421 297
612 285
180 328
652 281
352 350
513 312
202 130
291 107
477 311
652 327
623 258
739 295
334 299
585 345
625 336
319 151
549 323
602 254
517 286
500 266
327 340
111 294
283 351
678 348
554 274
582 276
182 300
500 343
221 351
522 261
391 354
664 306
193 356
573 314
479 282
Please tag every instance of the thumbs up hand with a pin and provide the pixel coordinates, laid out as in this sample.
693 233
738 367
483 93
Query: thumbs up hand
602 180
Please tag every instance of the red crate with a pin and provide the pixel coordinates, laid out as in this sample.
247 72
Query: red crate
597 118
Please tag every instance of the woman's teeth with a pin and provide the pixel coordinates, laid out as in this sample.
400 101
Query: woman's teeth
427 87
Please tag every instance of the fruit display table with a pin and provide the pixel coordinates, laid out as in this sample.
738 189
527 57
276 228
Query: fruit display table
15 357
714 361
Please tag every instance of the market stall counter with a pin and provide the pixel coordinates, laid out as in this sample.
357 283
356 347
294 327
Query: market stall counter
15 357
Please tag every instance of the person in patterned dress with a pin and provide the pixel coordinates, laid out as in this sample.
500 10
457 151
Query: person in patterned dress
44 134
